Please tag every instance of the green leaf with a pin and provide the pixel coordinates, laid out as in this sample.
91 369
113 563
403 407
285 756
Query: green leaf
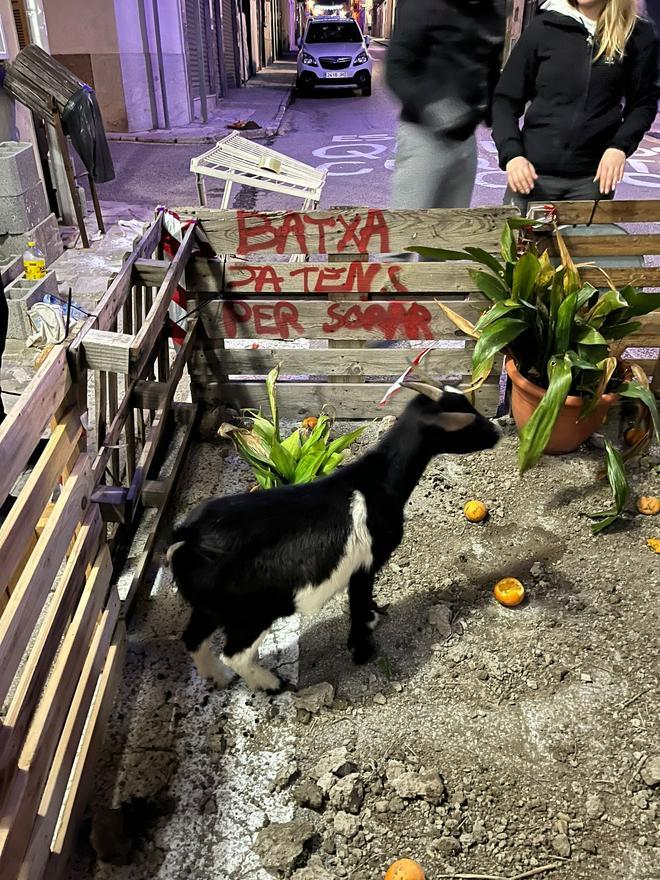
585 295
318 434
523 223
331 463
590 336
496 313
508 245
620 331
609 302
525 275
263 428
495 338
292 444
639 303
564 325
616 474
486 259
639 392
535 435
271 381
346 440
608 366
440 255
494 288
283 461
308 467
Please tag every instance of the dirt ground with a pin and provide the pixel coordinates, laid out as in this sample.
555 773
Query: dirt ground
483 740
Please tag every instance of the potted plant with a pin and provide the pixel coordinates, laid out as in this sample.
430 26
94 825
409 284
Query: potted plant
304 455
563 342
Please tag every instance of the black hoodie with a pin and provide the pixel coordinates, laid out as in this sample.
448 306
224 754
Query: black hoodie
578 108
443 62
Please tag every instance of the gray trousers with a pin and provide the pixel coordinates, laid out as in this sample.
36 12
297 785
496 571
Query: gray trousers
432 173
558 189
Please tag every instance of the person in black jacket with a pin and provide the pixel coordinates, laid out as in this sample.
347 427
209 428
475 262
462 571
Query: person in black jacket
443 64
587 72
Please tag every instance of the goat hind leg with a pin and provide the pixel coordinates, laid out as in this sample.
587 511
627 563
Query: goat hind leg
196 638
364 617
241 653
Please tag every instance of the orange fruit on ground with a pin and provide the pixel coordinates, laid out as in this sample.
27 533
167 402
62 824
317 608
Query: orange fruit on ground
648 505
405 869
475 511
509 592
309 423
654 544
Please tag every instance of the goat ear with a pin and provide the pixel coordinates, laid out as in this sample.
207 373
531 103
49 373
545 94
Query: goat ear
455 421
424 388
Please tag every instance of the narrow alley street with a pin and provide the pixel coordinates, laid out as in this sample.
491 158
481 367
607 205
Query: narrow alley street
353 137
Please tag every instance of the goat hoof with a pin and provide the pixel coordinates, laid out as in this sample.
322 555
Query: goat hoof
363 653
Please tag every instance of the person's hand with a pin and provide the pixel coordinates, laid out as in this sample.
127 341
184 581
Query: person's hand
521 175
611 170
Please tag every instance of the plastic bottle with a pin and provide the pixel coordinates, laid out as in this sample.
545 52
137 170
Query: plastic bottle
34 262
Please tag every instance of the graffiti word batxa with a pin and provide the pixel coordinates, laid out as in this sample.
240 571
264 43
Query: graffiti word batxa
282 320
354 277
308 234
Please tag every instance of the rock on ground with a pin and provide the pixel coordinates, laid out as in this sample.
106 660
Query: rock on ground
282 846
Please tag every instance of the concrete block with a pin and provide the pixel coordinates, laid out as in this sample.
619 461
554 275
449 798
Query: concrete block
22 213
18 169
46 234
21 296
10 268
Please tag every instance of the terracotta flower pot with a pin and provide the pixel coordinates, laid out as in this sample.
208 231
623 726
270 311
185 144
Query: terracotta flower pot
569 431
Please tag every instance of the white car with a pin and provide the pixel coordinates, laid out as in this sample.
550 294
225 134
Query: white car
334 53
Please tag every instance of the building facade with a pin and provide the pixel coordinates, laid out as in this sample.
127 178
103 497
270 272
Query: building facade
162 63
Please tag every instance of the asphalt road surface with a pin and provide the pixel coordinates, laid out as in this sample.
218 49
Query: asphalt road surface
353 137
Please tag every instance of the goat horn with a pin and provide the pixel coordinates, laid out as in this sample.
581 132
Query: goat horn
424 388
421 373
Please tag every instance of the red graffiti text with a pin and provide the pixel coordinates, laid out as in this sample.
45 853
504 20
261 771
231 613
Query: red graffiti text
294 232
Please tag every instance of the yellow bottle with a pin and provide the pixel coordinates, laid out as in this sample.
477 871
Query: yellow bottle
34 262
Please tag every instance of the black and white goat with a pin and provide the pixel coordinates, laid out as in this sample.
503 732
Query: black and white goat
243 561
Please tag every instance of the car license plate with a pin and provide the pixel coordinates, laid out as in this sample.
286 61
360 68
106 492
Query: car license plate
334 74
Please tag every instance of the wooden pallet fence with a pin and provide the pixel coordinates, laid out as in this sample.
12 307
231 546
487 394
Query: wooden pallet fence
59 618
62 634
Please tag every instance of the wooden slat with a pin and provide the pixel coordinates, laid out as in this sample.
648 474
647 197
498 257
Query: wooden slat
113 406
27 600
104 350
648 276
335 362
206 277
611 245
92 740
299 399
616 211
35 672
26 421
648 334
166 490
355 231
318 319
45 731
148 334
21 520
156 432
95 693
112 301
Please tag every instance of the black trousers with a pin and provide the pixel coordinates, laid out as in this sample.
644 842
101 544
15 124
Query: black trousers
558 189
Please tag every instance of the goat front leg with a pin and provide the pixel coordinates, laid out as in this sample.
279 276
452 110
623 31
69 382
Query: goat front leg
196 638
241 654
364 616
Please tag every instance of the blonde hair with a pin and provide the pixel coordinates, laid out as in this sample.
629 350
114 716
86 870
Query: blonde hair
615 26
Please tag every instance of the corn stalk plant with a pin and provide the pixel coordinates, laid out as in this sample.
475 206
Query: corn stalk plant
304 455
564 336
